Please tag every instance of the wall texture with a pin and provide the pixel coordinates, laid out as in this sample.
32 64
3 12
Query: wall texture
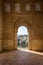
0 25
33 20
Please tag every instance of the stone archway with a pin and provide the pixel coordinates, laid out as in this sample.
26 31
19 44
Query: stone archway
22 37
21 22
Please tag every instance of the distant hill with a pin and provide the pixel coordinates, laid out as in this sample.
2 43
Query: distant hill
22 35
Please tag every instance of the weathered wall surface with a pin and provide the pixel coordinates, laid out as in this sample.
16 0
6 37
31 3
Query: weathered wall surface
37 28
0 25
12 20
7 33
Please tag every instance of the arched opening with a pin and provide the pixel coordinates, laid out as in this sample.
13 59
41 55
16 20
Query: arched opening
17 7
22 37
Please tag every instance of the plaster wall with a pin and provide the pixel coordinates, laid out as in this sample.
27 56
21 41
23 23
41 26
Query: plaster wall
0 25
12 20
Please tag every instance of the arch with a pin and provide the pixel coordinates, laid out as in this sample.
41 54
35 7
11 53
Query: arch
27 7
22 30
22 37
17 7
7 7
21 22
37 6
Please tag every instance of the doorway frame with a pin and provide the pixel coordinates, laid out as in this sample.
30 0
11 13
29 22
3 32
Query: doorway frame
23 34
21 22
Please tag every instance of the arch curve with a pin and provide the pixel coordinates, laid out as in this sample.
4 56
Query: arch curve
22 30
21 22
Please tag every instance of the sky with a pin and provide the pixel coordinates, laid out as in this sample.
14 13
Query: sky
22 31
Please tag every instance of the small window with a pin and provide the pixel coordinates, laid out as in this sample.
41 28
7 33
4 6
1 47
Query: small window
27 7
17 7
37 7
7 7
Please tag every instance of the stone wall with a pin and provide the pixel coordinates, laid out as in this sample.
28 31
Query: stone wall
37 28
0 25
33 20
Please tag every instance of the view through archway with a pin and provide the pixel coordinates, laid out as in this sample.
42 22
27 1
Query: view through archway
22 37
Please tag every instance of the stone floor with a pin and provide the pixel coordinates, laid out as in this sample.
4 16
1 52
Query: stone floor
20 57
